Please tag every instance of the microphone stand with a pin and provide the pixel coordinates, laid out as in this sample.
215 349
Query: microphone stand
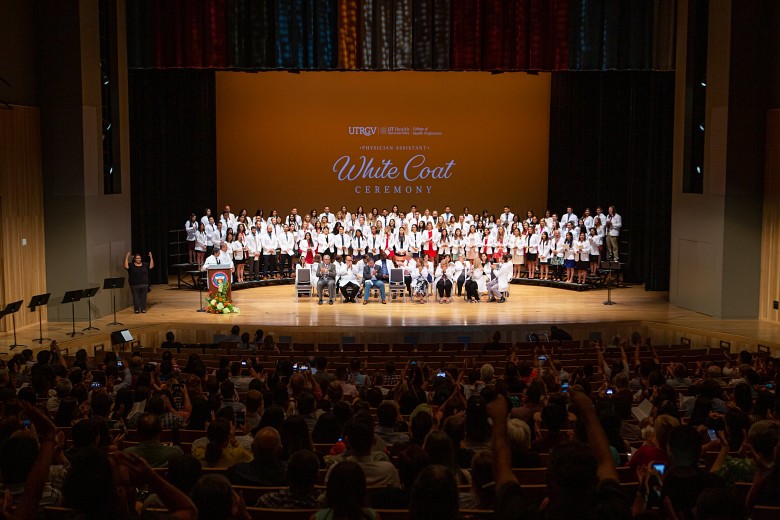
609 286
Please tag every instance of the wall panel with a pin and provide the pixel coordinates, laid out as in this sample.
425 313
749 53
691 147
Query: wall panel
22 268
770 234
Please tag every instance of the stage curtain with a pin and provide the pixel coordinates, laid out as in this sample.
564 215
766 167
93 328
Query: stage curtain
172 130
544 35
611 144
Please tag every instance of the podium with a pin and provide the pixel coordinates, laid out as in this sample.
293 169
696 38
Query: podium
219 275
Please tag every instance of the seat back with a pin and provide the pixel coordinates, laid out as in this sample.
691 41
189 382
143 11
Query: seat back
396 276
303 276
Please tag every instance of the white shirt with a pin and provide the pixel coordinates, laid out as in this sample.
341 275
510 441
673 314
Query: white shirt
347 274
595 242
568 217
545 249
583 250
532 243
342 242
200 241
192 228
238 250
223 260
507 218
359 245
217 237
253 244
269 243
614 223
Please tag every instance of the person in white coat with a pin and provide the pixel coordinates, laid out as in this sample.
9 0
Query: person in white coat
473 277
287 248
342 241
445 274
200 243
192 227
501 282
595 241
545 253
515 247
531 251
582 246
614 224
359 245
269 244
253 247
349 279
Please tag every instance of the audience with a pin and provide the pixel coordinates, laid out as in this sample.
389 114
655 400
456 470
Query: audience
409 436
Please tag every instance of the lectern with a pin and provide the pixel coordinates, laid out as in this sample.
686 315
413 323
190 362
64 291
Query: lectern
217 276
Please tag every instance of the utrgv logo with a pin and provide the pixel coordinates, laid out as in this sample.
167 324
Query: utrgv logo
362 130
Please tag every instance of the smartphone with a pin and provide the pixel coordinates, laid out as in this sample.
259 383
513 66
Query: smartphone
542 360
119 362
26 423
295 367
441 373
413 362
243 362
240 419
713 434
769 386
565 388
96 384
340 439
610 391
660 468
303 367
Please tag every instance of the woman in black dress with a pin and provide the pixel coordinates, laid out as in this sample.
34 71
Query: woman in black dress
138 279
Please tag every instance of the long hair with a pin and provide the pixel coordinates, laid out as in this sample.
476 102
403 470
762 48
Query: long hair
218 434
346 491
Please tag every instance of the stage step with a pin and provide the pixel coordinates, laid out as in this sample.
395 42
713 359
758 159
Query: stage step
553 283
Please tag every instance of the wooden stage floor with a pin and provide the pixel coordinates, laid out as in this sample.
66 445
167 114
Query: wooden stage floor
528 309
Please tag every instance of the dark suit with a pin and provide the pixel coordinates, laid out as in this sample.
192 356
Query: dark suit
377 282
328 279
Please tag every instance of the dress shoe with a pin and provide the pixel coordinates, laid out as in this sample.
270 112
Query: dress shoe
384 302
365 302
319 302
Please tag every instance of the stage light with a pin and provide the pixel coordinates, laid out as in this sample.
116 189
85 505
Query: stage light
701 127
703 84
698 169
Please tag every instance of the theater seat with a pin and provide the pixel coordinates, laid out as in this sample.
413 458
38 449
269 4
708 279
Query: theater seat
260 513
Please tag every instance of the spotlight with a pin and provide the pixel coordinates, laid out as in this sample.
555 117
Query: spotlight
703 84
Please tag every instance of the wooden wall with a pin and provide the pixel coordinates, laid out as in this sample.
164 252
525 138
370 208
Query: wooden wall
22 268
770 239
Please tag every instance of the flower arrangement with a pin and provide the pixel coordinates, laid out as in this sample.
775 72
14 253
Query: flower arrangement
217 302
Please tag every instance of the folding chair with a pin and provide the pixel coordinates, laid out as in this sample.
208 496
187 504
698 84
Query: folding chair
397 284
303 283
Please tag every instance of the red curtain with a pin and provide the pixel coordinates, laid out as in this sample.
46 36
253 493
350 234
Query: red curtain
190 34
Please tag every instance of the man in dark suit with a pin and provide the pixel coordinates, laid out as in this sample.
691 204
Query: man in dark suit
327 277
372 277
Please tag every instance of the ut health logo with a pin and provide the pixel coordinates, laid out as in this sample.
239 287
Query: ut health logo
362 130
219 279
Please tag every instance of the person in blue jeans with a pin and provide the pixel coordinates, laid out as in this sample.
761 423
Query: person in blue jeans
372 277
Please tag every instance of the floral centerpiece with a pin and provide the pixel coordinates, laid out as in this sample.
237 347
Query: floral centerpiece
218 301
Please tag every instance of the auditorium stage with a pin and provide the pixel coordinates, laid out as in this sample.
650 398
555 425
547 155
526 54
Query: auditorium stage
528 309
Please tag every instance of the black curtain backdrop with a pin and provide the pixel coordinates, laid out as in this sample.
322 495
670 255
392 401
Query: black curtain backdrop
611 144
173 158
